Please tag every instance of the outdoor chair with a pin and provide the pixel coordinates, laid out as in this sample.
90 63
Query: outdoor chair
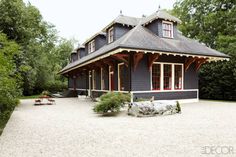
51 101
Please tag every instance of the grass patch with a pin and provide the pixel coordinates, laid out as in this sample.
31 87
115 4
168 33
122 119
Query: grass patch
30 97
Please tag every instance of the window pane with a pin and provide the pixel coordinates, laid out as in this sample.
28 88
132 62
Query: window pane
167 77
156 76
167 29
178 76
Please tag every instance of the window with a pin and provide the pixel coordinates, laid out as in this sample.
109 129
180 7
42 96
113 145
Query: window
121 80
102 80
156 76
167 28
167 76
178 76
94 79
91 46
110 35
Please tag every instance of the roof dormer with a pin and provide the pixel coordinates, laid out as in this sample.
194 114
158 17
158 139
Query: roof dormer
95 42
162 24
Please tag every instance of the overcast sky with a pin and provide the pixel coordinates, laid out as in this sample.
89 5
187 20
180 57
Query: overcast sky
81 19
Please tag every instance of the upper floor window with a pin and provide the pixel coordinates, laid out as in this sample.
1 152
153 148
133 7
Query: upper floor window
110 35
91 46
167 29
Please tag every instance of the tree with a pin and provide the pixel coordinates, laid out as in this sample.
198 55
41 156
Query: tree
38 58
212 22
9 89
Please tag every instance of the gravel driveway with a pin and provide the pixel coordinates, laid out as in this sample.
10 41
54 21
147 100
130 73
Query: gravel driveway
71 129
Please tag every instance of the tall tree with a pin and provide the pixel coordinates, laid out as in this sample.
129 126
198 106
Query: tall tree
212 22
9 89
38 40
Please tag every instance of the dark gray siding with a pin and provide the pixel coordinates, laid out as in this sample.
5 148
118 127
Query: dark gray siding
141 76
191 78
120 30
171 59
141 80
82 52
71 82
81 81
167 95
156 27
100 41
98 78
106 77
74 57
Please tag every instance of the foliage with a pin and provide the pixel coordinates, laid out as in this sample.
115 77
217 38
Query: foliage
111 102
212 22
42 53
45 92
9 89
178 107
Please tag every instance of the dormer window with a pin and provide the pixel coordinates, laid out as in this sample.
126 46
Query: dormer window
91 46
167 29
110 35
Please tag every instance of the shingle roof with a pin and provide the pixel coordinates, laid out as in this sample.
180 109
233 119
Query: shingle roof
125 20
161 14
141 38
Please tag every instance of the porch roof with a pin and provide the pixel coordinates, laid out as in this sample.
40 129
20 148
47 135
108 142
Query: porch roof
141 39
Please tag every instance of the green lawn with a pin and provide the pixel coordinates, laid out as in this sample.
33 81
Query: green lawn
30 97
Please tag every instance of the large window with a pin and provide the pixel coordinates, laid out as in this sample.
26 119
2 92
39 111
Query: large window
178 76
156 76
121 79
167 77
91 46
110 35
167 29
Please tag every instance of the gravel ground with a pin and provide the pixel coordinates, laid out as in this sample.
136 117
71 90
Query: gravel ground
71 129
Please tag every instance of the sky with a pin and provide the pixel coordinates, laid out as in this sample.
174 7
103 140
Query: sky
80 20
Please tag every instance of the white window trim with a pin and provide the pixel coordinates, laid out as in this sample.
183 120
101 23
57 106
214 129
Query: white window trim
109 39
119 75
172 77
90 46
172 29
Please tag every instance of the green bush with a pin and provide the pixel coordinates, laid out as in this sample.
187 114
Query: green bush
178 107
111 102
56 86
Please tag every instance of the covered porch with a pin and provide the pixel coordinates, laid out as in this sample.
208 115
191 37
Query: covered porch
143 73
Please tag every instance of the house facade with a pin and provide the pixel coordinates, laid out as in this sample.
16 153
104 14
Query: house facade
147 57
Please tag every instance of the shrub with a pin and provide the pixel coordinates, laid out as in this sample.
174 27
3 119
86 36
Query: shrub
45 92
111 102
178 107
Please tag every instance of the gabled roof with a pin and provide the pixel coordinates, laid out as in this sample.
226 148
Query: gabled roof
124 20
95 35
143 39
160 14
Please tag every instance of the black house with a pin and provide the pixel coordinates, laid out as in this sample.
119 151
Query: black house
145 56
